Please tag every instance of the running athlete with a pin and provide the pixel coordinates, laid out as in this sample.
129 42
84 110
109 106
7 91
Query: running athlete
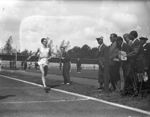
44 53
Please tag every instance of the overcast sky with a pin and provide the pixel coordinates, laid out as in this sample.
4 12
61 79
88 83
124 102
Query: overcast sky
79 22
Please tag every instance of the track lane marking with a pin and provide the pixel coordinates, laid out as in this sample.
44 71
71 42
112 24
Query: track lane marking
83 96
34 102
17 88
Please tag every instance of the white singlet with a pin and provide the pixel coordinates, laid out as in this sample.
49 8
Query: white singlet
43 56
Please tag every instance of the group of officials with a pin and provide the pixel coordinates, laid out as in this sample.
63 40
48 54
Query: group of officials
124 66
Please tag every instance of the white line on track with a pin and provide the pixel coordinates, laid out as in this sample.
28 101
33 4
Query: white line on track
34 102
17 88
83 96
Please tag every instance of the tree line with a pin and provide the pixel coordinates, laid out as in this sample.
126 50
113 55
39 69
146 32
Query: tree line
84 52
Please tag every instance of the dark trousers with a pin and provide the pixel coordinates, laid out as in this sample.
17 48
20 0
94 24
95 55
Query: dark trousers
66 72
100 75
106 77
106 74
78 68
131 79
114 74
126 71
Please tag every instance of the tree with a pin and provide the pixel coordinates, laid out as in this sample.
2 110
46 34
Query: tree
75 52
26 52
93 53
85 51
8 46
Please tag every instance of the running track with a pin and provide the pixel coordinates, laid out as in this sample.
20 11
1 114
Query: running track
20 98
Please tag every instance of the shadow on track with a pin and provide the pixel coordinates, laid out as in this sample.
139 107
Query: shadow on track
6 96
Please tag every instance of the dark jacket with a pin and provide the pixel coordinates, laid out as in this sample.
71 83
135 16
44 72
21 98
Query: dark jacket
147 54
66 57
134 49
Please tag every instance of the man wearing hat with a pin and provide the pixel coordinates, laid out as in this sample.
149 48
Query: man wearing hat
100 56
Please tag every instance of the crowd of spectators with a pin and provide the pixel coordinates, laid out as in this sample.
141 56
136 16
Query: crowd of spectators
124 66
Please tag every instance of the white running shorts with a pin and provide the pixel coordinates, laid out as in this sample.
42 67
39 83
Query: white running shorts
43 61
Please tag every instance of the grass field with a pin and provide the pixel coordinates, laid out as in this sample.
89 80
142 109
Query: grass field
88 71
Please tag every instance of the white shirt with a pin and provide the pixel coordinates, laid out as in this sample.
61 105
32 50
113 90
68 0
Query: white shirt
44 52
135 40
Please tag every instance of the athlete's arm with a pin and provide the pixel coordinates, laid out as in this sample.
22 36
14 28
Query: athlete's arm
34 54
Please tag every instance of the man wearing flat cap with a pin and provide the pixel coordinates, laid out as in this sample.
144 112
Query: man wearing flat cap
100 56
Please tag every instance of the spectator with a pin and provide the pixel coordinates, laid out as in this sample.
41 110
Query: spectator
78 64
147 58
141 63
132 56
36 65
114 64
30 65
100 56
66 66
25 65
124 63
22 64
60 65
127 37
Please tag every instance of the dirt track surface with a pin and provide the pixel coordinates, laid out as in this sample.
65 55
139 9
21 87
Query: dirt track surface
18 99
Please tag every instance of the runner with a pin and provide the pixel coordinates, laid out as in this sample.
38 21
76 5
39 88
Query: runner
44 53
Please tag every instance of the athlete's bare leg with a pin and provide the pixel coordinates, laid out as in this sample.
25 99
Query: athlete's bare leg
43 75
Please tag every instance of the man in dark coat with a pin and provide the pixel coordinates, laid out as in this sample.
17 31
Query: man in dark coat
147 56
146 60
135 45
146 47
100 57
132 56
66 60
78 64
